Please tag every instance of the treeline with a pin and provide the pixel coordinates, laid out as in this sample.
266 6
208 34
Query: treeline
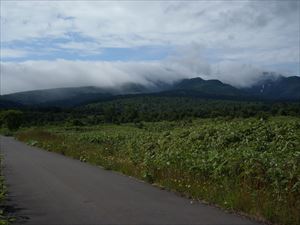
178 108
152 109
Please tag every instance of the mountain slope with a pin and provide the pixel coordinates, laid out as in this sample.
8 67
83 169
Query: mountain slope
282 88
68 97
7 104
72 96
40 97
208 87
270 87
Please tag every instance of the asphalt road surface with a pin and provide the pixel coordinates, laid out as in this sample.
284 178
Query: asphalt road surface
48 188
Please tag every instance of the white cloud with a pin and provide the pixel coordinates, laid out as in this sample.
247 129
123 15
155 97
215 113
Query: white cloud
12 53
238 75
29 75
62 73
265 56
131 24
82 47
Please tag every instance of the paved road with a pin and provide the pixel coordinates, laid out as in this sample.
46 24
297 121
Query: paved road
48 188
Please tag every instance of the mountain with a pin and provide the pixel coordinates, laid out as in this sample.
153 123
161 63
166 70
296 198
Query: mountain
207 87
56 96
73 96
276 88
68 97
7 104
269 87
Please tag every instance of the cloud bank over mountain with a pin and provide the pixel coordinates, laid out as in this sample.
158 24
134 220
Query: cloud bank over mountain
58 44
32 75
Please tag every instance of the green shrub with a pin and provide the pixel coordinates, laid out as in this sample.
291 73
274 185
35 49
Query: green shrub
12 119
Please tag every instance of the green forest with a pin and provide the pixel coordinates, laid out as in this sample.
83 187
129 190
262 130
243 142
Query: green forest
152 109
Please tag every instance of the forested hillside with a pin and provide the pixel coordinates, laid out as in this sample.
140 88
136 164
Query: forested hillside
267 89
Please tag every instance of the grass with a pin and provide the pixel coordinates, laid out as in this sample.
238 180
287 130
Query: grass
248 165
4 219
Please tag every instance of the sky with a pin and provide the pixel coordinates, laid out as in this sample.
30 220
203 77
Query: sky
50 44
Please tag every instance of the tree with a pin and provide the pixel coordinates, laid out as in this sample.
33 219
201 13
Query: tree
110 114
12 119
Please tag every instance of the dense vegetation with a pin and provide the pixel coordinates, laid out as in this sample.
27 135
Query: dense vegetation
246 164
4 219
157 108
11 119
154 109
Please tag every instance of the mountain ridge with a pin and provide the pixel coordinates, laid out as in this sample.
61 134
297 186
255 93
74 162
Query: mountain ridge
269 88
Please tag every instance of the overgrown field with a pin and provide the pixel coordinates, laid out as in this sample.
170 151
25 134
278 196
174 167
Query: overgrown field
250 165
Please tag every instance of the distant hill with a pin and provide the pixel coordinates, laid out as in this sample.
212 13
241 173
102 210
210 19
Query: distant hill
67 97
207 87
276 88
57 96
270 87
7 104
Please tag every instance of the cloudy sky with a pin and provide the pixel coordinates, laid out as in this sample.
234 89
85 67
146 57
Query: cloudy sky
47 44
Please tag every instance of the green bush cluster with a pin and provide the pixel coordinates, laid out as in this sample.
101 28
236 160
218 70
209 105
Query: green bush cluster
11 120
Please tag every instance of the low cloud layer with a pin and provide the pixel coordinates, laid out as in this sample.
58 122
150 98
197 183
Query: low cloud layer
31 75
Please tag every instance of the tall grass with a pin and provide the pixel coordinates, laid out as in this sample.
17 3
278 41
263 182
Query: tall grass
4 219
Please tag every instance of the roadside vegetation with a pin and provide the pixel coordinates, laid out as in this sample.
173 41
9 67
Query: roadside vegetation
4 219
250 164
10 121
